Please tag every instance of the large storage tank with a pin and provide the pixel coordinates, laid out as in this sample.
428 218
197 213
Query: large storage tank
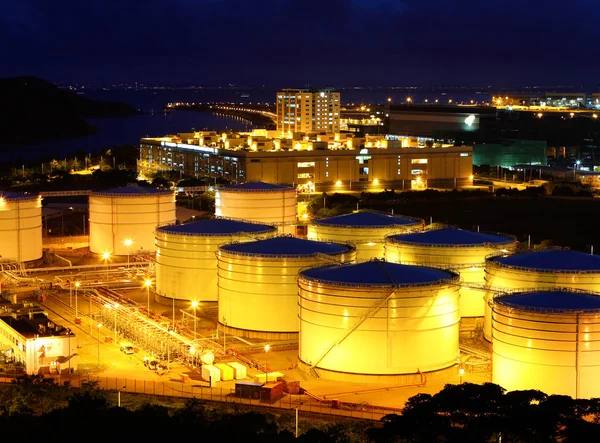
547 340
186 262
259 202
366 229
258 290
20 226
378 322
458 249
128 213
537 270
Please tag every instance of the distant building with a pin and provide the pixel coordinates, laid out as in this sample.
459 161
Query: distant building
508 153
308 110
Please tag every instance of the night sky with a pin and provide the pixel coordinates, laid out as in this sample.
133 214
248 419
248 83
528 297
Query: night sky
296 42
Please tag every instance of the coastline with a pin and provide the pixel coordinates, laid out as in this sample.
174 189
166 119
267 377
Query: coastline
252 115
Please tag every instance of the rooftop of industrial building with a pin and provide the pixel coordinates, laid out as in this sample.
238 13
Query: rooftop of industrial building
217 226
286 246
451 237
132 190
257 186
8 196
366 219
551 300
552 259
36 324
378 273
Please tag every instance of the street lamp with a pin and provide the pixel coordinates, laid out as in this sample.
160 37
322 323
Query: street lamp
194 305
148 283
105 257
77 284
267 347
128 244
99 326
119 396
461 372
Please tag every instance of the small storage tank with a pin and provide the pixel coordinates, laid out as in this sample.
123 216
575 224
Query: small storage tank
547 340
258 291
186 261
20 226
259 202
366 229
538 270
129 213
458 249
378 322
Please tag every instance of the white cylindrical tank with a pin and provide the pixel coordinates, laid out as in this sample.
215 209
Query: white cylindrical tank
552 268
186 262
123 220
366 229
20 226
547 340
378 319
457 249
259 202
258 291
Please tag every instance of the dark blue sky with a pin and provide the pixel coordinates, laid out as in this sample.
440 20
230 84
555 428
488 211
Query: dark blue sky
295 42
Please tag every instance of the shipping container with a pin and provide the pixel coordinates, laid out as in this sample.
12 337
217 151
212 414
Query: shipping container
226 371
248 389
290 386
239 370
211 374
271 391
263 378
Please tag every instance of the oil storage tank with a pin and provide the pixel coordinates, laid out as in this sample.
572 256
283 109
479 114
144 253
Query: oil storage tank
20 226
123 220
547 340
366 229
461 250
258 290
186 262
378 322
260 202
549 268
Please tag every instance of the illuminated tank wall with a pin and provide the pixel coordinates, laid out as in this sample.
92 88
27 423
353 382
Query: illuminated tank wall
258 291
260 202
375 321
367 230
128 213
547 341
20 226
553 268
186 262
460 250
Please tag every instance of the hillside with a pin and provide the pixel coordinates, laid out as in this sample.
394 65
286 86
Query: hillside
33 109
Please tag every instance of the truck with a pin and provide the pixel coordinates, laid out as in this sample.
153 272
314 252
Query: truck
126 347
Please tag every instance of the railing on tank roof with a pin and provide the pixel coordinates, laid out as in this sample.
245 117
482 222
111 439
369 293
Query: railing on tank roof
208 234
509 239
491 263
512 306
284 188
416 220
156 193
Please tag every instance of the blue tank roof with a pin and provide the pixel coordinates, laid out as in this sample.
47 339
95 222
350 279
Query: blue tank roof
378 273
558 300
13 196
451 237
216 227
366 220
553 259
132 190
288 246
257 186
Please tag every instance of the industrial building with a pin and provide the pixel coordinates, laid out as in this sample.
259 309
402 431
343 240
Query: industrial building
365 229
308 110
460 250
186 264
20 226
259 202
547 340
378 322
258 291
41 346
510 152
123 220
553 268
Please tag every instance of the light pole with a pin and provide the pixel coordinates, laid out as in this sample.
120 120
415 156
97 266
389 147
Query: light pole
69 335
119 396
148 283
70 291
77 284
105 257
128 244
461 372
99 326
267 347
194 305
